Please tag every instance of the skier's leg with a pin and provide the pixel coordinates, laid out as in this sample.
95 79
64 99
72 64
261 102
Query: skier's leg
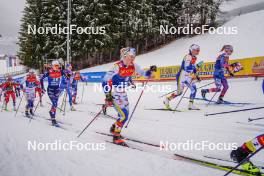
192 87
217 88
69 92
74 94
54 101
122 107
32 99
180 86
27 105
239 154
225 87
7 96
13 96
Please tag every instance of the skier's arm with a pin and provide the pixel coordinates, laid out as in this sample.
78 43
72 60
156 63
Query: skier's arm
188 66
224 62
45 75
147 74
83 79
4 85
108 77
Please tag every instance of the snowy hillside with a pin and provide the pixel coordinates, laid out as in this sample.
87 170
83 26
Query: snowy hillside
147 125
247 43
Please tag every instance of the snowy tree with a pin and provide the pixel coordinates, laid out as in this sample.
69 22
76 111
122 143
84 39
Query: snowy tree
31 44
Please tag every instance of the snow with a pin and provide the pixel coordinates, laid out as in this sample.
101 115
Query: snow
247 43
236 4
146 125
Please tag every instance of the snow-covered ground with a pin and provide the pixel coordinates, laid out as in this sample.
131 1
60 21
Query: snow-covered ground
230 5
147 125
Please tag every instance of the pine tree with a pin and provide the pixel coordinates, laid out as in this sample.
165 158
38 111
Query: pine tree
31 44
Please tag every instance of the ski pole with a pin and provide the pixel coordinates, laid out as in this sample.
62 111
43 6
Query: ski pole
168 93
64 109
37 106
3 105
244 160
176 90
250 120
56 107
62 104
239 110
95 117
211 99
181 97
19 104
206 85
136 104
82 93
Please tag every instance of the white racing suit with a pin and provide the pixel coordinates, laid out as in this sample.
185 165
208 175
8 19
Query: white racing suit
185 76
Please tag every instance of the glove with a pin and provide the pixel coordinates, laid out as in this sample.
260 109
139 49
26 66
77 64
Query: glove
198 78
43 91
231 74
68 75
109 97
153 68
133 86
239 154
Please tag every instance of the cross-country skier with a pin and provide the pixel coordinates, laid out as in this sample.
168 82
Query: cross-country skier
76 78
31 83
54 76
66 82
221 65
18 89
247 148
9 87
185 77
119 75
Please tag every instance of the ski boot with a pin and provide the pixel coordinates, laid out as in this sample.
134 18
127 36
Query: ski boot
191 106
54 123
72 108
27 114
74 100
5 107
248 166
220 100
117 139
104 109
31 112
113 131
203 92
166 102
14 108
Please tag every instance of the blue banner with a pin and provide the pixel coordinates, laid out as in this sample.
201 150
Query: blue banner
93 76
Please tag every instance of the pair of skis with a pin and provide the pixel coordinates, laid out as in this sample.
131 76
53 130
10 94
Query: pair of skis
229 169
